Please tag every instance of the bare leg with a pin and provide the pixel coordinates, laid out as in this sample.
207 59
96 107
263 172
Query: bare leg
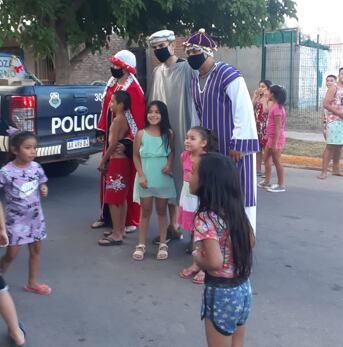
116 217
146 209
9 314
336 156
326 159
238 337
276 155
10 255
259 156
34 263
161 210
173 215
123 218
214 338
267 165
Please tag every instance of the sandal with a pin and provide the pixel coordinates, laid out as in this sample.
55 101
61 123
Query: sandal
199 278
108 241
188 272
138 254
162 253
42 289
108 233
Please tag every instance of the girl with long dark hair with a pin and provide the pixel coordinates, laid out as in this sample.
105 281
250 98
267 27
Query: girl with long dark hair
197 142
153 153
223 240
275 139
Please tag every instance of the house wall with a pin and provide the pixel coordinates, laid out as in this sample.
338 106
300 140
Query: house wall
88 67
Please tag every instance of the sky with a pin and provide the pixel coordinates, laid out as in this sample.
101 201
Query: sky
323 17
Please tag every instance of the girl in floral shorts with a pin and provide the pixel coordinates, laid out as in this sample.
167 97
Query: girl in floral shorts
223 240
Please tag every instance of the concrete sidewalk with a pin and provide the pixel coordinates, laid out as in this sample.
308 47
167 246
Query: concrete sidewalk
317 137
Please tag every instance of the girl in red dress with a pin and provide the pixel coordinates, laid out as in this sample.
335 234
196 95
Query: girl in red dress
260 103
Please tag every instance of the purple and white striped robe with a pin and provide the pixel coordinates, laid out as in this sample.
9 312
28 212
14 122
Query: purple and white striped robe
234 126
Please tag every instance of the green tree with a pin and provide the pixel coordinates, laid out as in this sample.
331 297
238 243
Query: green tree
48 27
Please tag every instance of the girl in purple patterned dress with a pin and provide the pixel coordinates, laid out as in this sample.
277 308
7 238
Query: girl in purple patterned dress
24 182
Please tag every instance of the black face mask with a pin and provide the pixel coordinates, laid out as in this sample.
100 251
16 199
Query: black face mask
162 54
195 61
117 73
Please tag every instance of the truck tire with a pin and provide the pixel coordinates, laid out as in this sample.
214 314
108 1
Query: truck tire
61 168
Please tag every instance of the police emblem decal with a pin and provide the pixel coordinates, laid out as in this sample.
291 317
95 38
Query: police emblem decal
55 100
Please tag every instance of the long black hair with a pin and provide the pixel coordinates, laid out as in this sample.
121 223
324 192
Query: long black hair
209 136
17 140
164 124
219 192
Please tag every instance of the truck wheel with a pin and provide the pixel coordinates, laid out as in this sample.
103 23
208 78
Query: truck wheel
61 168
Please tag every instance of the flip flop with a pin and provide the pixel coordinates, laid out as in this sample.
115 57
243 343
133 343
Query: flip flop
187 273
337 174
199 278
108 233
108 241
41 289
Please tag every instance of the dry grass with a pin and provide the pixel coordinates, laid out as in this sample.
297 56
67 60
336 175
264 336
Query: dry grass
304 148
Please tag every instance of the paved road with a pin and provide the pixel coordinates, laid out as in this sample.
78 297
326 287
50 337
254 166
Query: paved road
102 298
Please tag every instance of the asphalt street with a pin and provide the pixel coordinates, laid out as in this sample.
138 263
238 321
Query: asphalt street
103 298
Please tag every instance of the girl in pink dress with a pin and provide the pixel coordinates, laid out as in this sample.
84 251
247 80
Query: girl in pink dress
275 139
198 141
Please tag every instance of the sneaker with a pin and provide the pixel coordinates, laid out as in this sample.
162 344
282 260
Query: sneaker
275 188
130 229
100 223
172 234
263 184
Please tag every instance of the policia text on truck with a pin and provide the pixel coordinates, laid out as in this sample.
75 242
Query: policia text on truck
63 117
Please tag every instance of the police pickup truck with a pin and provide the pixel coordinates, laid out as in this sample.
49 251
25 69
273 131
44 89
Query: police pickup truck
63 117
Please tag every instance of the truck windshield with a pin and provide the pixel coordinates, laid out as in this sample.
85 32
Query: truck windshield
11 67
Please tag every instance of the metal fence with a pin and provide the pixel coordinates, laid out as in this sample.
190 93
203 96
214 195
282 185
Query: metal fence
301 66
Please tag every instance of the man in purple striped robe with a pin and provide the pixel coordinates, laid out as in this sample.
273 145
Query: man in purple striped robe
221 102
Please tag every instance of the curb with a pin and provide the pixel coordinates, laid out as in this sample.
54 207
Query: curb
302 161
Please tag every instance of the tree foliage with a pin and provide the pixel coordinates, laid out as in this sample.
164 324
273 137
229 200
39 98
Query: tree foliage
44 25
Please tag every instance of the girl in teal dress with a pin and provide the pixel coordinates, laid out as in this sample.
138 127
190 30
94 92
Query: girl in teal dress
153 152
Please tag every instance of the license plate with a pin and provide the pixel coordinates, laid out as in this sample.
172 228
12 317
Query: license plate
80 142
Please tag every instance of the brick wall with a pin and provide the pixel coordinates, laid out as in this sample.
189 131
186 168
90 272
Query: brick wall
88 67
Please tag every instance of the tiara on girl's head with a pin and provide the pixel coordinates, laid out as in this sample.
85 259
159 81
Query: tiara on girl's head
12 131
